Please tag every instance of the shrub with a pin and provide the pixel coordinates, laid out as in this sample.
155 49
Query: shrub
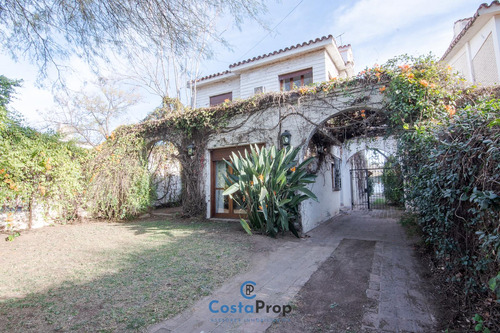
449 149
392 179
270 186
36 168
119 183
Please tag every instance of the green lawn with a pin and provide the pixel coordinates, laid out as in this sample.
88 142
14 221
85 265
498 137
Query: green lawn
107 277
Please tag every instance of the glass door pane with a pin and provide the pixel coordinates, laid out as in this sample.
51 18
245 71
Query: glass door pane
237 203
223 206
221 201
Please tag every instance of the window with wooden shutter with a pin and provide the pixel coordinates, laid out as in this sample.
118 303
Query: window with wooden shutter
295 80
219 99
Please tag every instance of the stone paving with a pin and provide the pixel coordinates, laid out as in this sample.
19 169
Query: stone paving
398 297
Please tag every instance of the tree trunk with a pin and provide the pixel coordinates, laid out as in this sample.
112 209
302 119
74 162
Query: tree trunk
193 202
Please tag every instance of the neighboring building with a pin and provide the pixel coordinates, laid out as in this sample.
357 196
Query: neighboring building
299 65
475 51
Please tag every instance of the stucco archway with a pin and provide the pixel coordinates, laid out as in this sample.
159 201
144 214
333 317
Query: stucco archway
329 143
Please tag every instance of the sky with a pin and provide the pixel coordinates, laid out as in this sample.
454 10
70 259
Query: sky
377 30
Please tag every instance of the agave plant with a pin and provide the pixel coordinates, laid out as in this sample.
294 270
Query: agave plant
270 185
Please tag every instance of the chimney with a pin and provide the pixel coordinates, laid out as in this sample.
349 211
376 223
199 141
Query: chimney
459 26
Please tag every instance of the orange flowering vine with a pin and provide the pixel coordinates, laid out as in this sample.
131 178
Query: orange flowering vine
424 83
451 109
47 164
42 190
405 67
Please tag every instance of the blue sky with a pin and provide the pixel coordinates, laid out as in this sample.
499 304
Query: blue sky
377 30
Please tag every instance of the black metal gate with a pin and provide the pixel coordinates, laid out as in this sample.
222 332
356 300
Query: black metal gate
369 189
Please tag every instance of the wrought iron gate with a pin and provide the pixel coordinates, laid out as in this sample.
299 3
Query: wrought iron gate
368 189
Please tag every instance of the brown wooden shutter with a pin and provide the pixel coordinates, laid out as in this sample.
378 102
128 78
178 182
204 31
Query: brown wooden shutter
225 153
294 74
219 99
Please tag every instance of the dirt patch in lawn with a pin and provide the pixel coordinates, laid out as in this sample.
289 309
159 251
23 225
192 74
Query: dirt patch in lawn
111 277
333 299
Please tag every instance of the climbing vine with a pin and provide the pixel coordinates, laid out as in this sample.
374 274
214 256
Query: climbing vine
36 169
449 149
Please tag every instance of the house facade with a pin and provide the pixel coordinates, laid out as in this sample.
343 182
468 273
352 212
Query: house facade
299 65
475 49
304 121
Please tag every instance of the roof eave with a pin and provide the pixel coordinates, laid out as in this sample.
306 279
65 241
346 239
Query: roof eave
482 15
283 55
218 78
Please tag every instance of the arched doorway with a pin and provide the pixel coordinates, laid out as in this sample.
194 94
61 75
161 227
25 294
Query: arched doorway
367 178
328 144
165 170
333 143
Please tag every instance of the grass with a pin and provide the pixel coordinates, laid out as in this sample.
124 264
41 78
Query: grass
379 201
108 277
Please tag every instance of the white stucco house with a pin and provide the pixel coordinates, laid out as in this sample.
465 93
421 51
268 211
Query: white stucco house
298 65
307 63
475 49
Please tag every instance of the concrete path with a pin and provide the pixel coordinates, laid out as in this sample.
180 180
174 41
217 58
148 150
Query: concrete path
398 301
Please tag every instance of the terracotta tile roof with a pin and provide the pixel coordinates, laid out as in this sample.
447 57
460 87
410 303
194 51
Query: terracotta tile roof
468 25
271 54
281 51
464 19
213 75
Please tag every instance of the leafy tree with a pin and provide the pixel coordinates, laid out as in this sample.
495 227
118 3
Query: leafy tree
7 87
88 115
50 31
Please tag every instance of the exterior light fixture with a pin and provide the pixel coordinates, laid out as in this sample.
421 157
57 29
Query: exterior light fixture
319 148
190 149
286 138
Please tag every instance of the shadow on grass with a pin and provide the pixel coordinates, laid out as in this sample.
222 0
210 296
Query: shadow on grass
174 266
161 226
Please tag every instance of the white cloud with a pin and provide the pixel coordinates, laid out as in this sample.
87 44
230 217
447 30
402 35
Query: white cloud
368 19
381 29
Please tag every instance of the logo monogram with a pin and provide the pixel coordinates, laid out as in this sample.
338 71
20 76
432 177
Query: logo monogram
247 288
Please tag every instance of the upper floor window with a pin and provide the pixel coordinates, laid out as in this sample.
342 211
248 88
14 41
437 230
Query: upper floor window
258 90
219 99
296 79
